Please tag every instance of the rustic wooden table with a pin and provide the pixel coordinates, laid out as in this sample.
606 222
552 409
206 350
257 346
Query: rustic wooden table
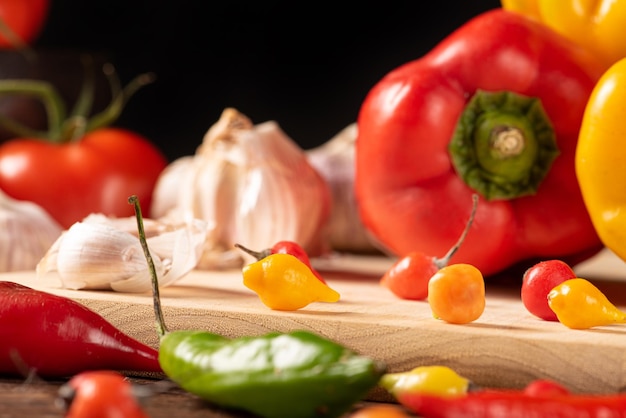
20 399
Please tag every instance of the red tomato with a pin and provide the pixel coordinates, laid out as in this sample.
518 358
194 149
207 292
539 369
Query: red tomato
537 282
95 174
24 17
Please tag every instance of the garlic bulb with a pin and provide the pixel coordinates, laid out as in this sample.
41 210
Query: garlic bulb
252 184
27 233
334 160
105 253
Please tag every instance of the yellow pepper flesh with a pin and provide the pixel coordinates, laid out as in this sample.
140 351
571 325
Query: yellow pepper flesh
597 25
601 158
283 282
426 380
579 304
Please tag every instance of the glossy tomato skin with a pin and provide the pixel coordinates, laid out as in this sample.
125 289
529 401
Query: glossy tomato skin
95 174
537 282
26 18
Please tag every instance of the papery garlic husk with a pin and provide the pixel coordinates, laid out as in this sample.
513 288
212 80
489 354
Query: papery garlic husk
253 185
105 253
28 231
335 161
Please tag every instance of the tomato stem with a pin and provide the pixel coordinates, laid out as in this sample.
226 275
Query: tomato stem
49 97
120 97
158 310
442 262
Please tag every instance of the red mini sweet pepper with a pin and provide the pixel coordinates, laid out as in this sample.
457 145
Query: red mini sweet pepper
56 337
494 109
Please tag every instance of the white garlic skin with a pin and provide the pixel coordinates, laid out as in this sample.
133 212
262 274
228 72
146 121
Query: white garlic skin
27 233
335 161
253 185
105 254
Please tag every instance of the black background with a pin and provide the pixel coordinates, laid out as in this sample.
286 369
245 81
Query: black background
306 65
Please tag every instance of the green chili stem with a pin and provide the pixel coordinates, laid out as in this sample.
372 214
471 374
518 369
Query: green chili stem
442 262
158 311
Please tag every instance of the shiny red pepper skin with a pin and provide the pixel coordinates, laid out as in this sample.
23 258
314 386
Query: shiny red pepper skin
57 337
518 404
408 192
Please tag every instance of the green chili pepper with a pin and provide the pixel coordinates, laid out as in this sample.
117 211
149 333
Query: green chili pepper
293 375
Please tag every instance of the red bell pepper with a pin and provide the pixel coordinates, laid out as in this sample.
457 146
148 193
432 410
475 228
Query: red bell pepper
494 109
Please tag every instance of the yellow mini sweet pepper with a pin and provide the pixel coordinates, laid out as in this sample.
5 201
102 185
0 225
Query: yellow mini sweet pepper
426 380
285 283
597 25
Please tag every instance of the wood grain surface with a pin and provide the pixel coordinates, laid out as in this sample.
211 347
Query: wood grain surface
505 347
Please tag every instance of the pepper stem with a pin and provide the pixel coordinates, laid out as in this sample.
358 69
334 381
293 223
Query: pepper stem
503 145
259 255
442 262
158 310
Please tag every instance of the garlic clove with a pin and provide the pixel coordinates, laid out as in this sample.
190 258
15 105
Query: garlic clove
27 233
94 255
164 200
105 253
335 161
252 184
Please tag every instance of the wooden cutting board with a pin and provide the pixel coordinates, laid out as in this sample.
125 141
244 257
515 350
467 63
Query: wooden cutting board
506 347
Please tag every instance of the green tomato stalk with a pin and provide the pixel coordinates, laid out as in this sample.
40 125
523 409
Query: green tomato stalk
64 126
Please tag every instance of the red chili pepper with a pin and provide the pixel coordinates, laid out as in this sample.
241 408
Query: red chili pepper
518 404
284 247
100 394
495 108
55 336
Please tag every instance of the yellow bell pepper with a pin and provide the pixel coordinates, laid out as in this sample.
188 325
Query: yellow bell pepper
285 283
597 25
601 158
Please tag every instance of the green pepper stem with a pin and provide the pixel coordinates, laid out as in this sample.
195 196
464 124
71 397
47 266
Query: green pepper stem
158 310
503 145
442 262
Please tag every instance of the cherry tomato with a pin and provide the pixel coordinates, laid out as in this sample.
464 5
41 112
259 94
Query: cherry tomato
25 18
100 394
70 180
537 282
380 411
456 293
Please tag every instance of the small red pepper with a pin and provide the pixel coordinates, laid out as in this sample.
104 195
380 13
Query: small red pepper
552 403
55 337
100 394
284 247
408 277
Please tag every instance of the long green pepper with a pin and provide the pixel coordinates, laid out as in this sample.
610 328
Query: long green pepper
278 375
